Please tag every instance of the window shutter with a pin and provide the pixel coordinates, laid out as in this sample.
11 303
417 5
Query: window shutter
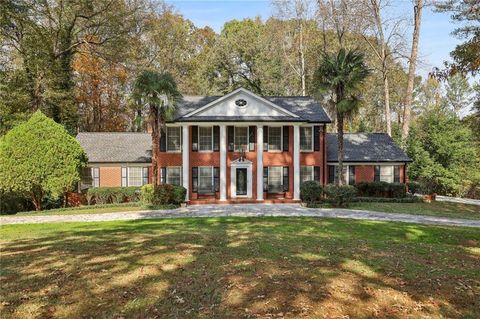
285 177
285 138
124 177
316 173
163 140
265 138
231 138
316 138
396 174
163 175
252 130
331 174
194 179
216 138
195 138
351 175
376 177
216 179
265 179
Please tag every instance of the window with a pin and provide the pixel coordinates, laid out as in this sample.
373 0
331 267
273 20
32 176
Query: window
274 138
386 174
396 174
275 179
205 138
174 139
306 174
241 139
306 139
174 175
90 177
241 103
333 173
205 179
135 176
351 175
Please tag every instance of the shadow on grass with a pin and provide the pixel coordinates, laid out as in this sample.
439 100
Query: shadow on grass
239 267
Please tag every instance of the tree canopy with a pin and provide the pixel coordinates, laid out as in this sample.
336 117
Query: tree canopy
39 158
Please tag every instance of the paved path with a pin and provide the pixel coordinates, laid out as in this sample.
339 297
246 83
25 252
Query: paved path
243 210
458 200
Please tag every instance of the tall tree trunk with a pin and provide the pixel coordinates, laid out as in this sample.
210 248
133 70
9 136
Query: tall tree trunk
340 148
155 143
411 71
386 97
302 61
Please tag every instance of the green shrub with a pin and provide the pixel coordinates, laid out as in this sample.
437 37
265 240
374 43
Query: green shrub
413 187
340 196
163 194
311 192
115 195
381 189
179 194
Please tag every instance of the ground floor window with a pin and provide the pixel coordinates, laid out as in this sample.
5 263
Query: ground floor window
348 174
306 174
134 176
205 179
275 179
90 177
173 175
387 173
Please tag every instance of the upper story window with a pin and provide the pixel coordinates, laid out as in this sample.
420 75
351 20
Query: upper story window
174 138
306 138
241 138
274 138
205 138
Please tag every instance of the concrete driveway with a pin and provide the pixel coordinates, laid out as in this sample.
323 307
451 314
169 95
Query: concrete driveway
243 210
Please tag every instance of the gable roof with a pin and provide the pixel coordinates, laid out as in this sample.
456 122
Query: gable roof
102 147
301 108
366 147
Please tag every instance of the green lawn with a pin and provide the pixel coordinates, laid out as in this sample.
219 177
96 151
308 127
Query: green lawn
101 209
239 268
443 209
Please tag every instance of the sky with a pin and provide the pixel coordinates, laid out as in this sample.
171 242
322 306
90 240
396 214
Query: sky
436 41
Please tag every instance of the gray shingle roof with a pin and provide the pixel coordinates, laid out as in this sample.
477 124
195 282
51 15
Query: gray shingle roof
305 107
116 147
366 147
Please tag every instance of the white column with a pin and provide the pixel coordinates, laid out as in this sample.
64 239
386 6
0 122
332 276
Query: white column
259 162
185 159
296 162
223 162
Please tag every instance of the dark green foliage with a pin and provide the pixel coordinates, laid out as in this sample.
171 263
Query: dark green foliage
114 195
163 194
413 187
12 202
381 189
408 199
311 191
340 195
40 160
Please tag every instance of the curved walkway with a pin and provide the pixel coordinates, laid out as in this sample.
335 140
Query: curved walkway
243 210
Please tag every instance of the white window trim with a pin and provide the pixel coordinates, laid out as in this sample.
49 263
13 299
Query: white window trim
235 135
128 176
166 139
313 138
198 177
392 174
198 134
181 174
281 139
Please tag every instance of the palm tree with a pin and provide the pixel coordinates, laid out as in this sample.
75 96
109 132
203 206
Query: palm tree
157 91
337 78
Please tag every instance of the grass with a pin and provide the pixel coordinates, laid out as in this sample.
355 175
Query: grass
94 209
239 268
439 209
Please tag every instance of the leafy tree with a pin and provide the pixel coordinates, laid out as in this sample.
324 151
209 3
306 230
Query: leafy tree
458 92
467 54
158 92
338 78
39 158
445 157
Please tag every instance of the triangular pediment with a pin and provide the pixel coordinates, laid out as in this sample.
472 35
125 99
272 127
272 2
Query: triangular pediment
241 161
241 102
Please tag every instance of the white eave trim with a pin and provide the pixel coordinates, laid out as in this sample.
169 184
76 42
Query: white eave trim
281 109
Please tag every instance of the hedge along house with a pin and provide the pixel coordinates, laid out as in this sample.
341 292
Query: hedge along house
241 147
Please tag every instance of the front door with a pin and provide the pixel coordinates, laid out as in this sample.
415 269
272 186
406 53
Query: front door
241 180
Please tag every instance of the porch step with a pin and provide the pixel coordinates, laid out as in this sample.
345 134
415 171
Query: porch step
242 201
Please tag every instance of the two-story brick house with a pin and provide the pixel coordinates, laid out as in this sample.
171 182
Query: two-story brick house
242 147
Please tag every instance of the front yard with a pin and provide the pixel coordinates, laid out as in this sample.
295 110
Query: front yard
241 268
